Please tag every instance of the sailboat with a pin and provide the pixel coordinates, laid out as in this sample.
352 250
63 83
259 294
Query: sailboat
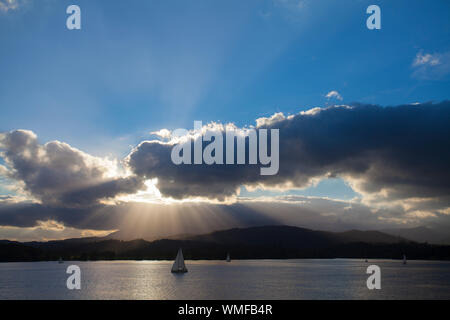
178 265
60 260
404 259
228 257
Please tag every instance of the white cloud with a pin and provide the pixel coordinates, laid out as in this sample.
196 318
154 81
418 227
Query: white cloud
426 59
431 66
263 121
334 95
163 133
6 5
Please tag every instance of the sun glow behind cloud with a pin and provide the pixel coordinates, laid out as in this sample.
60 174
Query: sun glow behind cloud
150 195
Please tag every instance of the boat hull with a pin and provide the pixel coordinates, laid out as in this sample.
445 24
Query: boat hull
178 271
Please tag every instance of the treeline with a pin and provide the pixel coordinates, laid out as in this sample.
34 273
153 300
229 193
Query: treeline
196 250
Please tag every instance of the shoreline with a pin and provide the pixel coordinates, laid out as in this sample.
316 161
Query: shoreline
217 260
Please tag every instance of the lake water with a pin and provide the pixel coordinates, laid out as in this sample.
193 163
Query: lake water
245 279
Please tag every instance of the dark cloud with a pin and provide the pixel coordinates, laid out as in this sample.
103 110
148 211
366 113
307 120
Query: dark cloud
103 190
57 173
397 152
136 218
154 221
28 215
398 156
152 159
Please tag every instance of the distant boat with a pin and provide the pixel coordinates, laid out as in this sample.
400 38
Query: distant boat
60 260
404 259
228 257
178 265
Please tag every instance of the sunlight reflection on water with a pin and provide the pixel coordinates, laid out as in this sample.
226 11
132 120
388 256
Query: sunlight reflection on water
240 279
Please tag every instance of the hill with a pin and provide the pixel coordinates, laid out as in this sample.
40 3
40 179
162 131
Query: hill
421 234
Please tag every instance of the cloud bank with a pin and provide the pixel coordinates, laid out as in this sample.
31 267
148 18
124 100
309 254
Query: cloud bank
393 153
431 66
155 221
397 158
56 173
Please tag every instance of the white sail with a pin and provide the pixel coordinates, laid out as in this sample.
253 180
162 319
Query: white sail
178 265
228 257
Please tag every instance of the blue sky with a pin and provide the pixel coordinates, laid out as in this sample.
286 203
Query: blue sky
144 65
140 66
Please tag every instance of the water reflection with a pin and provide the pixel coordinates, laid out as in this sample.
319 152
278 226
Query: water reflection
249 279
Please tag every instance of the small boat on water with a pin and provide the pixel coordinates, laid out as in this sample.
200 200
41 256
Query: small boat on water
228 257
60 260
178 265
404 259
